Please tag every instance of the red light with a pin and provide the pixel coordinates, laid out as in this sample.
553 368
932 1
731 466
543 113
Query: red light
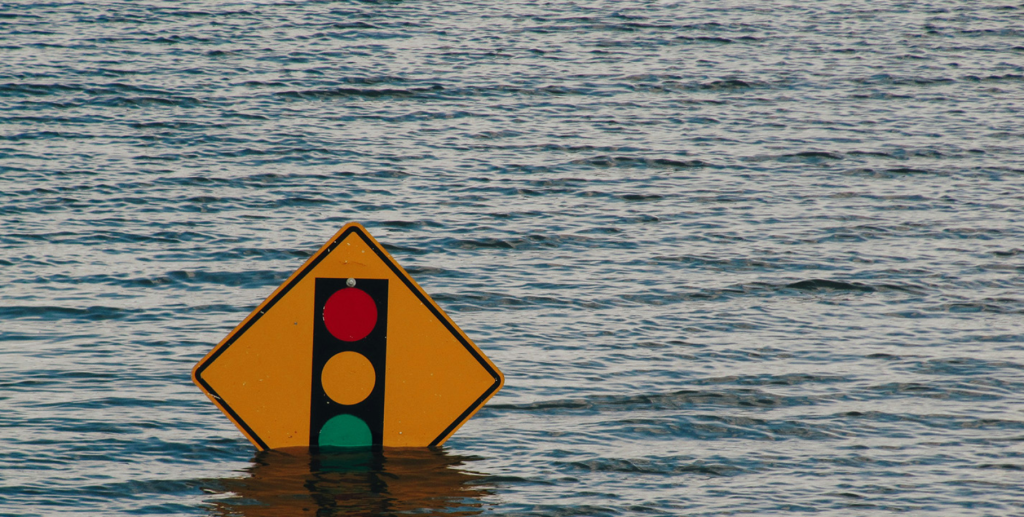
350 314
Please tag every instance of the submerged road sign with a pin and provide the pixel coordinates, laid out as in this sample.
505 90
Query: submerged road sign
348 352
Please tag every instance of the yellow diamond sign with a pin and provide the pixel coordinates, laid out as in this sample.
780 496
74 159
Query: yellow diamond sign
348 352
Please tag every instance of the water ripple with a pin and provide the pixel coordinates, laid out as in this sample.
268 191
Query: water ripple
736 258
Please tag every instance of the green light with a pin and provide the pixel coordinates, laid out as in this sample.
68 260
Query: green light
345 431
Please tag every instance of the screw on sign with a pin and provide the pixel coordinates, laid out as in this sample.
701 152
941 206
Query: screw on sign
348 352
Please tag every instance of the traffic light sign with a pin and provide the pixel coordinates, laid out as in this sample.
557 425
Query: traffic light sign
349 349
348 352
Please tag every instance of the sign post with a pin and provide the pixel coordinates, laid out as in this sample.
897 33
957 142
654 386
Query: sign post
348 352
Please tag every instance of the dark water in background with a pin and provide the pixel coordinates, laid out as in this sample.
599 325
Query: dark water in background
733 257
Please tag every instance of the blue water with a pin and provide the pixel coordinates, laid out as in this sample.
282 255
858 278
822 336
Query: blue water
732 257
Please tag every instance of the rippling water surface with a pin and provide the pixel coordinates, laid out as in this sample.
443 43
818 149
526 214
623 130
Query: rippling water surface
733 257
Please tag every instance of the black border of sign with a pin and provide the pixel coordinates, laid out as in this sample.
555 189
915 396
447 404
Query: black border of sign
404 277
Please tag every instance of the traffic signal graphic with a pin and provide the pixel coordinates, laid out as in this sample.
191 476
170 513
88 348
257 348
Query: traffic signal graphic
350 321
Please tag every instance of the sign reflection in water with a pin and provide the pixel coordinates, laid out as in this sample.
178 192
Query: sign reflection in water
293 482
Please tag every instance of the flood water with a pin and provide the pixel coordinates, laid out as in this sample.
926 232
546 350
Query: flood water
732 257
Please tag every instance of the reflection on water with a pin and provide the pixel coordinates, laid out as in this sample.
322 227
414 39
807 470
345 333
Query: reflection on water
295 482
